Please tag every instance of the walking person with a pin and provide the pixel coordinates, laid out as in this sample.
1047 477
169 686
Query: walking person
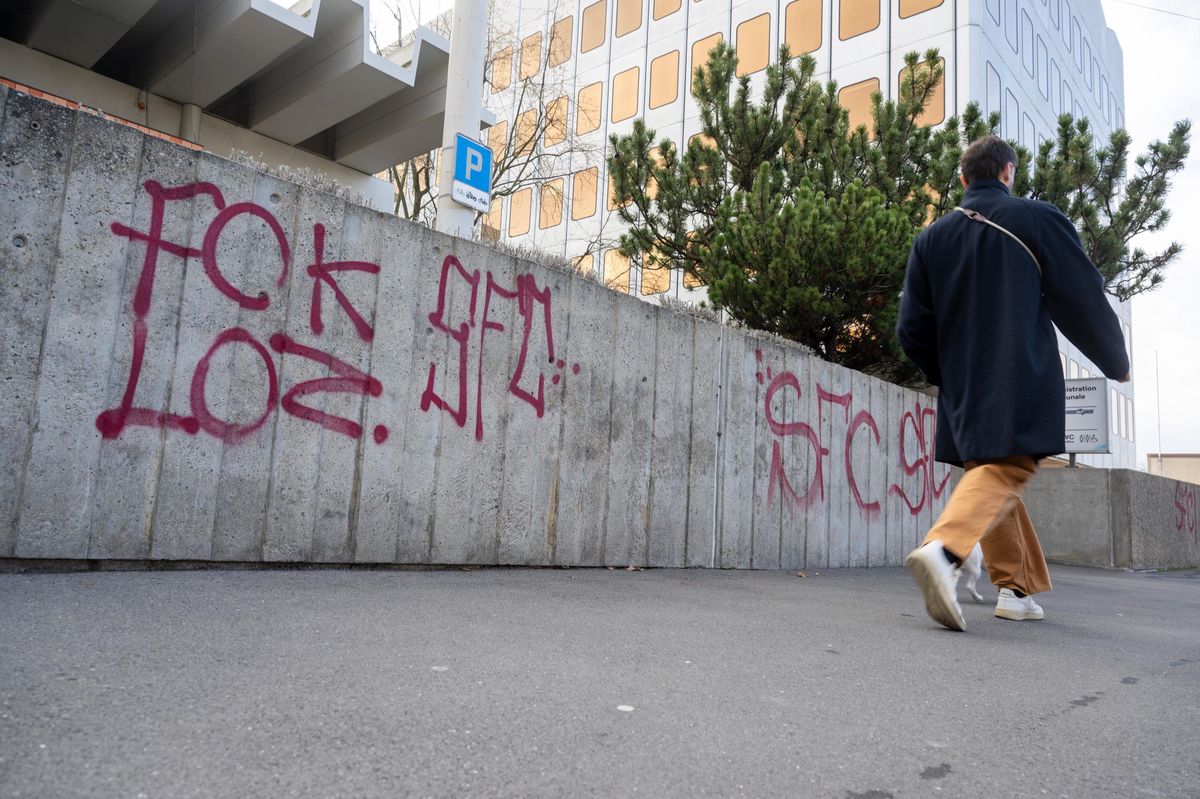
982 287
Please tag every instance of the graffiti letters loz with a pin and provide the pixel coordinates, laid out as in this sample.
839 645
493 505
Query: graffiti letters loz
533 307
112 422
1185 508
919 421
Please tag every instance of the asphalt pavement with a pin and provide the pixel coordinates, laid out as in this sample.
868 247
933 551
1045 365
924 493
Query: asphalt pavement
590 682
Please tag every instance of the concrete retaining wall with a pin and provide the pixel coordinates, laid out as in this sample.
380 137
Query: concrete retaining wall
1116 518
202 362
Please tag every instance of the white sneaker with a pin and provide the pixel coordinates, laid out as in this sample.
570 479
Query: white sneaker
938 582
1011 606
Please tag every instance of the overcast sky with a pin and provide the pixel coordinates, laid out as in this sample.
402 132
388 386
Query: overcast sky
1160 88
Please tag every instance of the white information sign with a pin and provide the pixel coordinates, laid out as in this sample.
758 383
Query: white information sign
1087 416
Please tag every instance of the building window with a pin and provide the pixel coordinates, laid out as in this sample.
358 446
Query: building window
1073 370
502 70
492 221
664 79
1027 52
625 87
1056 13
754 44
1113 408
655 280
690 281
1128 341
857 17
665 8
585 264
1043 72
993 89
592 35
561 35
629 16
616 270
935 108
518 212
856 98
588 108
583 193
1123 413
910 8
701 50
802 26
1129 412
1011 25
498 139
525 133
1085 373
1062 359
1012 115
531 55
612 195
550 204
556 122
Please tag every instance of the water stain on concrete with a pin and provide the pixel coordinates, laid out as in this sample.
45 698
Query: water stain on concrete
1084 701
1129 680
873 794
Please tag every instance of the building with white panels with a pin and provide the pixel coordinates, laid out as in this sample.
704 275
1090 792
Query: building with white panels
614 61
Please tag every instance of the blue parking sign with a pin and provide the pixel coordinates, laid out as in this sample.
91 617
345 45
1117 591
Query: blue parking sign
472 184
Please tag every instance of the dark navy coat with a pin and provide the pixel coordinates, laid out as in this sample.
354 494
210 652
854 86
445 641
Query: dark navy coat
976 318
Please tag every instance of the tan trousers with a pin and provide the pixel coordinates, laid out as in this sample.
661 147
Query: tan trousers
986 508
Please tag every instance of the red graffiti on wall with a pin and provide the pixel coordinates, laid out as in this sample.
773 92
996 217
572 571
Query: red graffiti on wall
322 273
1185 508
923 422
112 422
534 309
780 485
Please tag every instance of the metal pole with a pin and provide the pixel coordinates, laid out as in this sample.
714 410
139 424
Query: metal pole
464 103
1158 413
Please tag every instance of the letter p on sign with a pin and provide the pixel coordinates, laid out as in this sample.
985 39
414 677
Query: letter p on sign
474 163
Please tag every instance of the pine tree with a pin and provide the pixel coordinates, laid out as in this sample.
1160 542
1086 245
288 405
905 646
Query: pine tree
801 226
1090 185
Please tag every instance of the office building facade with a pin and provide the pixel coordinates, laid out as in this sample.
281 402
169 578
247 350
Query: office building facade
606 63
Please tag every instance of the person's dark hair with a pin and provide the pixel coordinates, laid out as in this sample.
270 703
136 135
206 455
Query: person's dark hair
985 158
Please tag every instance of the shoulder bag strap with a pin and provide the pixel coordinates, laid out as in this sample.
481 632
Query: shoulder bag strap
975 216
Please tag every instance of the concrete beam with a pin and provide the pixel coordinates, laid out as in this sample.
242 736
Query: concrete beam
200 60
82 31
